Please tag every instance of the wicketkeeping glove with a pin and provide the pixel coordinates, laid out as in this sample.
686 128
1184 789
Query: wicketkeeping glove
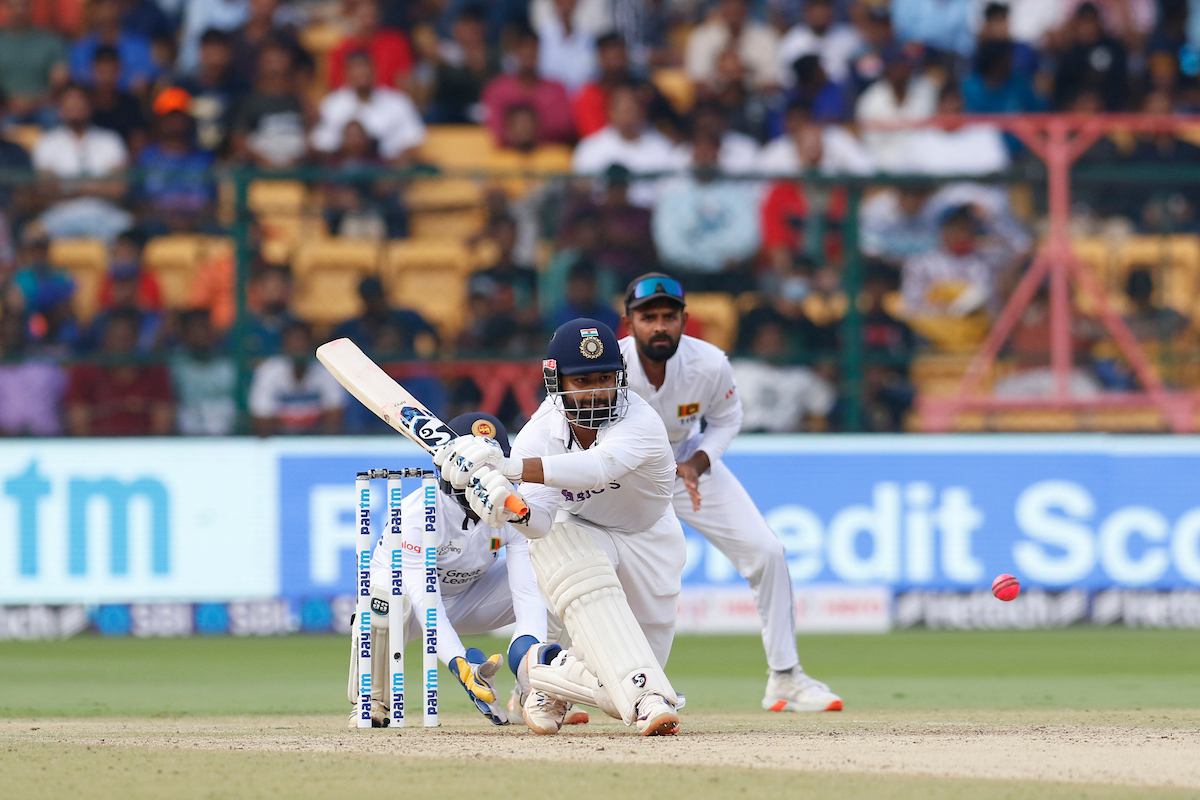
486 496
476 674
464 457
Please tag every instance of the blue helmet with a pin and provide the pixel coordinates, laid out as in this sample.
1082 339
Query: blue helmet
475 423
580 347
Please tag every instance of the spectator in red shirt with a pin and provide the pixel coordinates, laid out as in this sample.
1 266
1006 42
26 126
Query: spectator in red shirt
591 104
390 52
526 87
126 258
122 399
800 222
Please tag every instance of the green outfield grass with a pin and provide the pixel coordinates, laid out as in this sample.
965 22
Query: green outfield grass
1077 668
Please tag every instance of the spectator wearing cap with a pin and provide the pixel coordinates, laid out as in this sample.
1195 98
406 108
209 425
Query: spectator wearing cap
705 226
138 69
391 55
1093 60
567 53
526 87
629 142
582 298
388 115
292 393
120 398
945 25
113 108
86 161
205 15
902 94
31 387
176 188
269 126
819 34
407 331
33 63
961 277
204 379
729 26
463 66
216 88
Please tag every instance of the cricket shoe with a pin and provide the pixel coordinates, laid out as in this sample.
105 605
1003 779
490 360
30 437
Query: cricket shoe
544 714
656 717
575 715
380 718
795 691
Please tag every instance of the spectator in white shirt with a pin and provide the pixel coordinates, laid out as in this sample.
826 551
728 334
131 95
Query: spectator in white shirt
292 393
840 152
835 42
739 152
594 17
627 141
964 150
86 161
901 95
388 115
961 277
776 397
568 52
728 26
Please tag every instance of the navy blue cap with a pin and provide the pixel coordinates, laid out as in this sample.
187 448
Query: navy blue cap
476 423
581 346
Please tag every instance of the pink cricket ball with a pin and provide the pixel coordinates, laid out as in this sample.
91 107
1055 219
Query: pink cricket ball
1006 587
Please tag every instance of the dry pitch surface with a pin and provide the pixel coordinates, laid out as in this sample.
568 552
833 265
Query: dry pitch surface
245 718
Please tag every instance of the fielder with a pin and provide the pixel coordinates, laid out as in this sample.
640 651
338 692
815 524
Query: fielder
598 475
686 380
478 591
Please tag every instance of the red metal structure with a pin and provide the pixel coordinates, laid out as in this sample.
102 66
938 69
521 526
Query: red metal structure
1059 140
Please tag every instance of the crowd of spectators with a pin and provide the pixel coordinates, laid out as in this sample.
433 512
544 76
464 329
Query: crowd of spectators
685 122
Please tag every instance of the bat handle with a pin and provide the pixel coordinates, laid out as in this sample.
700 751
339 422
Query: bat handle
516 505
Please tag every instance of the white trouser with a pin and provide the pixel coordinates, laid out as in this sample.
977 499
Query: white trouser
649 566
729 519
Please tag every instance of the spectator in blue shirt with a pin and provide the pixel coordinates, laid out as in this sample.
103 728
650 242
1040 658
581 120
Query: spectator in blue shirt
941 24
138 69
994 87
995 28
581 299
829 100
176 186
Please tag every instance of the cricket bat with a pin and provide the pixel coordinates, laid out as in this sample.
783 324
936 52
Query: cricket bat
390 401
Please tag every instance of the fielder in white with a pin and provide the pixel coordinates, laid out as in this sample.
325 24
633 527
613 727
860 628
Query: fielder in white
478 591
686 380
608 551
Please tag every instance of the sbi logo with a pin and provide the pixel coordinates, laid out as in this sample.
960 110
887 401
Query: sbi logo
28 493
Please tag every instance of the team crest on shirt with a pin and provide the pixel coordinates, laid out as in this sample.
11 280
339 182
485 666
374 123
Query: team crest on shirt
689 409
591 346
481 427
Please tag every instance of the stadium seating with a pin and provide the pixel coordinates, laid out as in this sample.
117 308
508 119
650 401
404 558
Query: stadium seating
173 260
431 278
718 316
327 273
87 261
457 147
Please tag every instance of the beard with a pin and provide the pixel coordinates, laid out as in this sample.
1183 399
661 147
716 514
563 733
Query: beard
660 348
603 408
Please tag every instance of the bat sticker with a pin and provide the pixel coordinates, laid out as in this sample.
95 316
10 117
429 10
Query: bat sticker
429 430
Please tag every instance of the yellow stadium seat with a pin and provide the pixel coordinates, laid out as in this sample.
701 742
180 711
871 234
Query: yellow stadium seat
435 193
447 225
427 254
173 260
276 198
677 87
1034 421
436 293
87 261
717 314
457 146
327 275
25 135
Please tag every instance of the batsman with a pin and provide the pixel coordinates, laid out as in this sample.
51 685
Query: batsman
686 381
597 474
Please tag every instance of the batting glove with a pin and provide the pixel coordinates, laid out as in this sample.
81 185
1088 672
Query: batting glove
465 456
486 496
477 676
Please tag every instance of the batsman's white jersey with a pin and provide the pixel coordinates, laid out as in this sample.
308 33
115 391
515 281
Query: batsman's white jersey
699 385
478 591
621 490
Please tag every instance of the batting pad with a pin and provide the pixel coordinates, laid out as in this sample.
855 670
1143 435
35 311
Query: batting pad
566 678
582 587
